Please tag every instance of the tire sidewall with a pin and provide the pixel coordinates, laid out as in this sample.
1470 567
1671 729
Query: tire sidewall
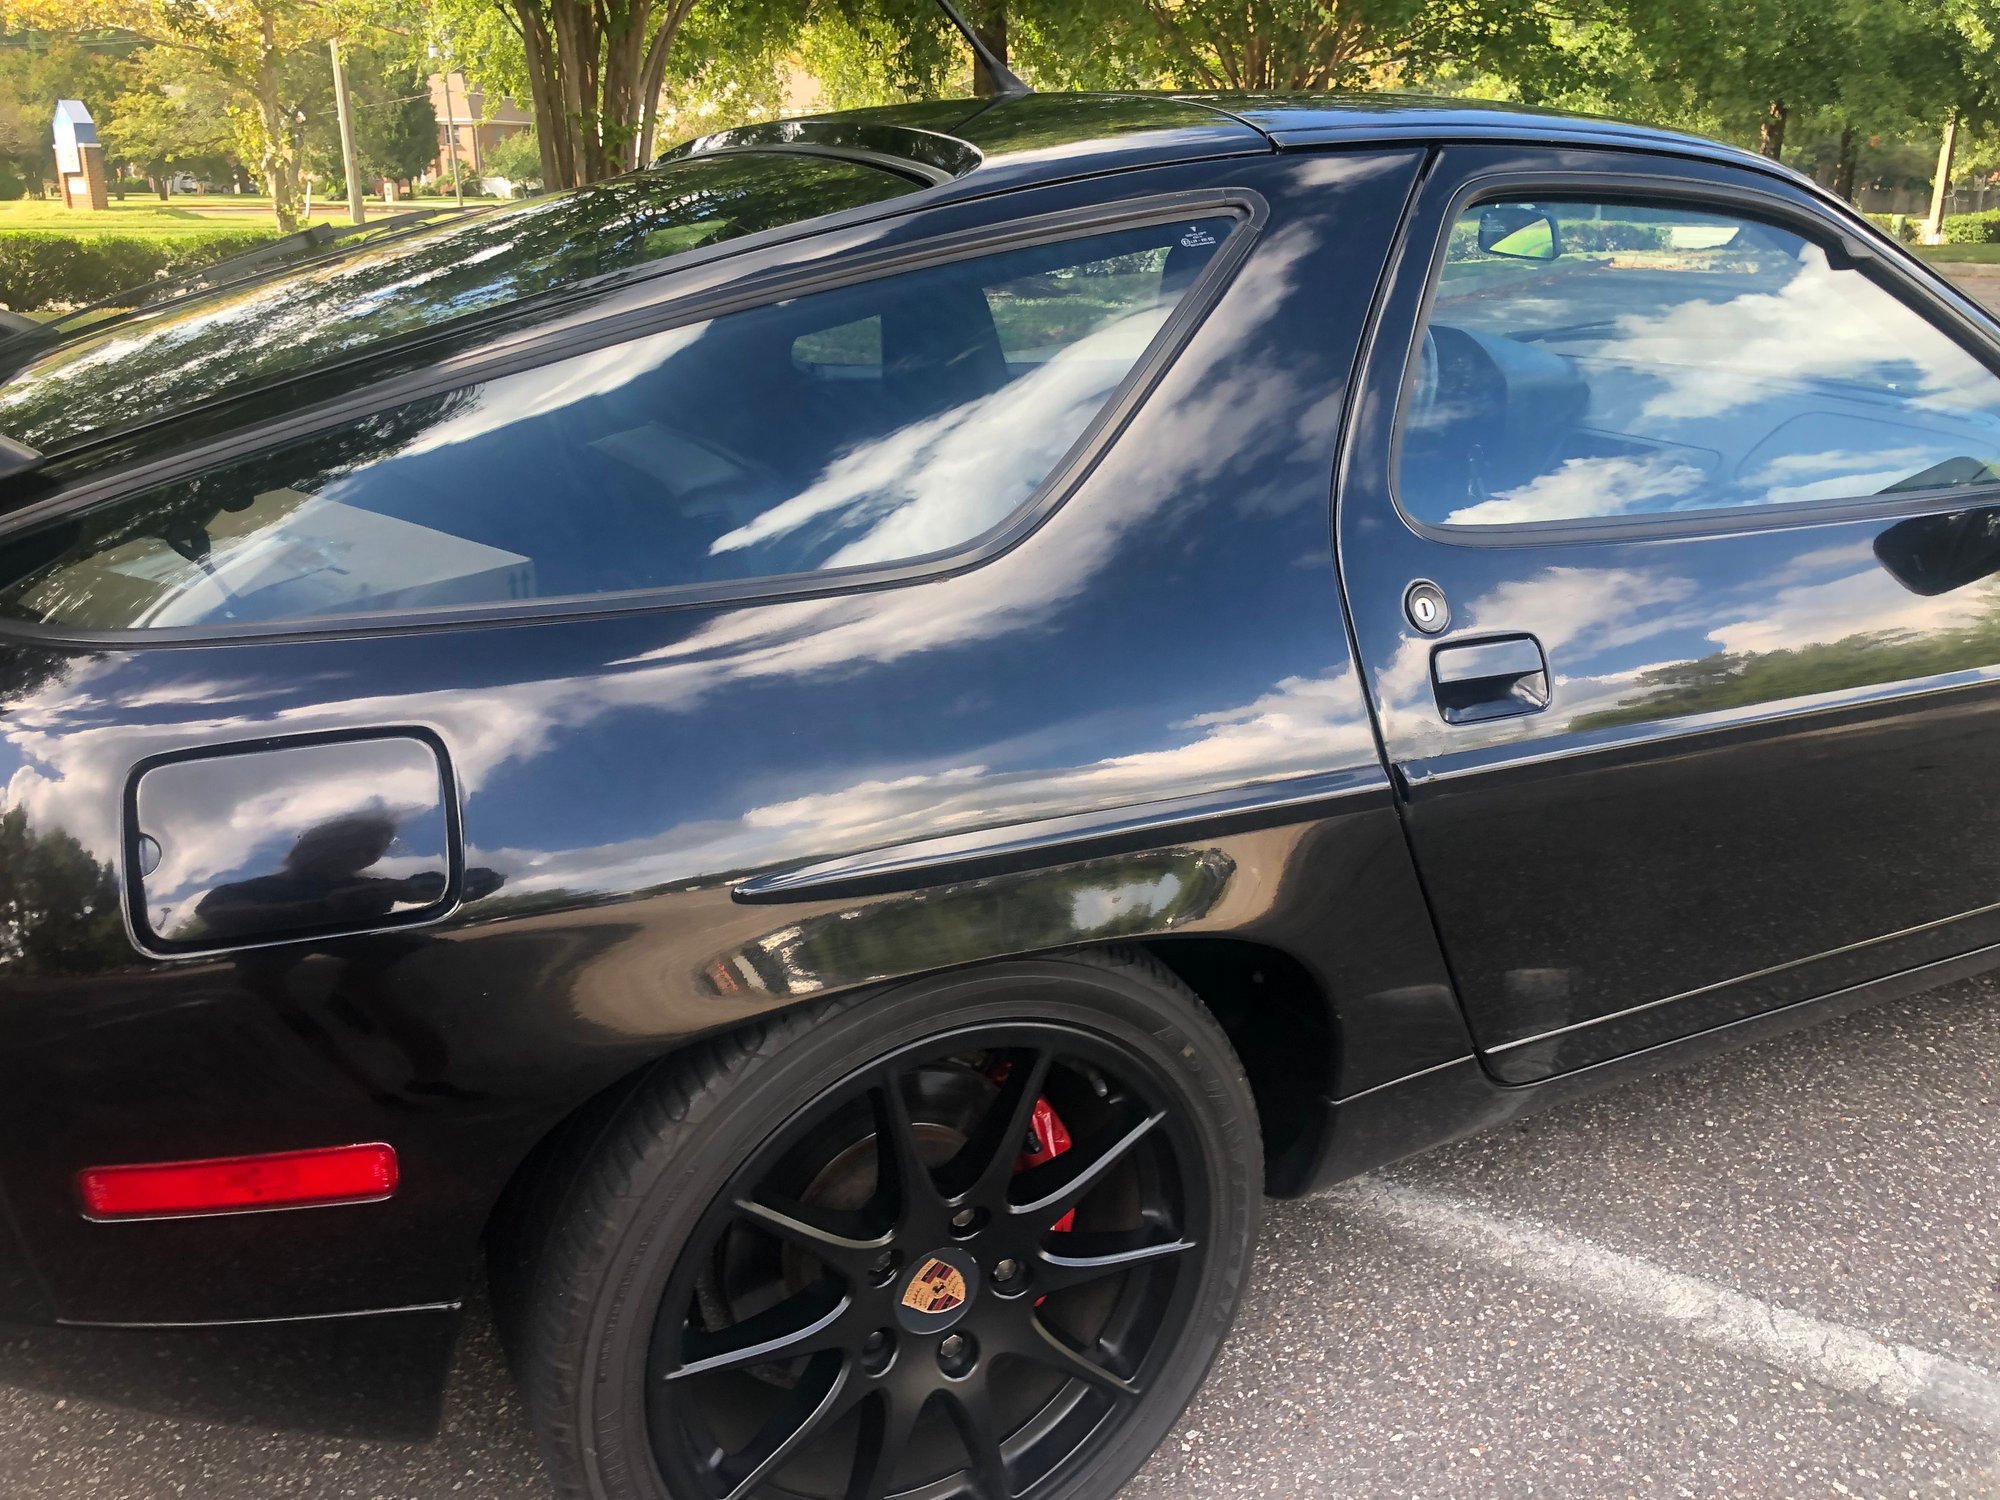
678 1177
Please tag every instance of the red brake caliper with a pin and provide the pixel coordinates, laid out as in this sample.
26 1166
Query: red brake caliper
1048 1138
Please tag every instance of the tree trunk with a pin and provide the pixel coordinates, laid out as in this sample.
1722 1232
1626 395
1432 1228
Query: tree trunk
1933 233
989 19
624 109
545 96
1771 133
594 79
653 80
1843 165
576 37
281 166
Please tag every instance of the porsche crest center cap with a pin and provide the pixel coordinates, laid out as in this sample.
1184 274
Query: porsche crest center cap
937 1291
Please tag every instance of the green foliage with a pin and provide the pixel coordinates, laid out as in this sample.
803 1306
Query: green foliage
395 129
866 52
170 115
518 158
1897 226
59 910
1737 679
1612 234
459 179
36 71
40 270
1778 74
728 66
1945 255
1973 229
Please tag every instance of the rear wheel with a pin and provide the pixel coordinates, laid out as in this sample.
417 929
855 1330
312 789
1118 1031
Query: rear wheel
974 1239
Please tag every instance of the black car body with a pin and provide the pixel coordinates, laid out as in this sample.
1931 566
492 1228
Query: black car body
1623 786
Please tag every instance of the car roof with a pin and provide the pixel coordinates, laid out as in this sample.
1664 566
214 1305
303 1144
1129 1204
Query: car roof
953 148
985 145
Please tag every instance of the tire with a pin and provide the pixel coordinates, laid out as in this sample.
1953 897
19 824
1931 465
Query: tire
628 1278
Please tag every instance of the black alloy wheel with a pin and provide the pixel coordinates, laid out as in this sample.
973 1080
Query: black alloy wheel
985 1252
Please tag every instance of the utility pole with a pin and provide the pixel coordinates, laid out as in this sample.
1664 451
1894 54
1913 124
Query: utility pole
357 212
451 134
1941 185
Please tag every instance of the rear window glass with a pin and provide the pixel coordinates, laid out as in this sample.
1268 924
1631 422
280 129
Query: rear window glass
874 423
212 346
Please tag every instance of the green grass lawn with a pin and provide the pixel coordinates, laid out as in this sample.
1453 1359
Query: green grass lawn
1985 255
182 215
190 214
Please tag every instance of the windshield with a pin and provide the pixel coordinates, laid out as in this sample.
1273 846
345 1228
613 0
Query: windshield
211 346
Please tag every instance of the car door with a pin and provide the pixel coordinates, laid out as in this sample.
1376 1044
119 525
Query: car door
1666 524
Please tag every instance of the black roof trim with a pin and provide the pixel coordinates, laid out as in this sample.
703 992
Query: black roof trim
938 158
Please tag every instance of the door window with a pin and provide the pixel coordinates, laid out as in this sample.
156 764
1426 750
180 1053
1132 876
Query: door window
874 423
1586 360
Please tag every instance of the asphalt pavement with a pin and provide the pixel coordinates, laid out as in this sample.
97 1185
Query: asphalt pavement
1773 1273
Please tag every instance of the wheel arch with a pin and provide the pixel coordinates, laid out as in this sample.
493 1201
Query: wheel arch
1277 1014
1282 1021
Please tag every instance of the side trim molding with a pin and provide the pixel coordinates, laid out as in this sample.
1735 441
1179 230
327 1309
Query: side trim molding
1049 841
1457 1099
334 1317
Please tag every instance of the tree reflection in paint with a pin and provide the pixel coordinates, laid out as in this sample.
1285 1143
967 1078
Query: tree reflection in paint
1124 896
59 911
213 346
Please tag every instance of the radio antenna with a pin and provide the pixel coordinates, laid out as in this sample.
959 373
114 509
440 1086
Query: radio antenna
1005 79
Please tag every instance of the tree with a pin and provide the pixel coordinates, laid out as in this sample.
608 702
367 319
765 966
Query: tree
395 127
1761 69
168 117
36 71
245 43
518 158
59 910
871 52
1290 45
592 71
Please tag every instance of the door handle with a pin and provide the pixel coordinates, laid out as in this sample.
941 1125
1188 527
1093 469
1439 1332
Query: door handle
1496 678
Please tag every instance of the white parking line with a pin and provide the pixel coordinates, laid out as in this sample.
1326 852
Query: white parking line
1831 1354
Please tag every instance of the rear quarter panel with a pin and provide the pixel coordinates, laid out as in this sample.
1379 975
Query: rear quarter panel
1173 631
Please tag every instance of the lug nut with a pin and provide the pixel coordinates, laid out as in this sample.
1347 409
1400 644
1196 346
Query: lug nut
1006 1270
965 1218
957 1353
877 1351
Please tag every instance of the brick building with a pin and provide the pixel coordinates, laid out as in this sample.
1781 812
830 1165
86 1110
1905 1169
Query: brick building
464 129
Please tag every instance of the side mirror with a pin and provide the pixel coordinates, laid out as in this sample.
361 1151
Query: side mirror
1933 555
1519 232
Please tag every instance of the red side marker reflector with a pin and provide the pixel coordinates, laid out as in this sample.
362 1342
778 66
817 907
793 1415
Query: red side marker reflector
239 1184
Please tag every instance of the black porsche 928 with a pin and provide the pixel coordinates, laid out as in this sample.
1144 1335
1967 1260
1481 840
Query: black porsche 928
833 755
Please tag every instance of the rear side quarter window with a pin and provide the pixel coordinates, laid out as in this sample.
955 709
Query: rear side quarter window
888 420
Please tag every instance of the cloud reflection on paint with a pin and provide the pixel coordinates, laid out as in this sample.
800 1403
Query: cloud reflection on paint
1228 429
